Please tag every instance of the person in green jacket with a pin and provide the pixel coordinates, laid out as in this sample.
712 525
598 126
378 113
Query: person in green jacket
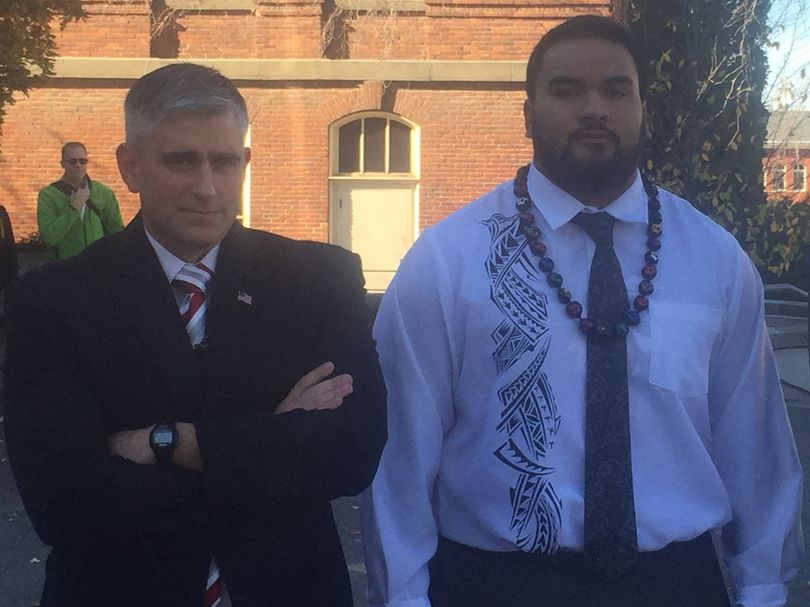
75 211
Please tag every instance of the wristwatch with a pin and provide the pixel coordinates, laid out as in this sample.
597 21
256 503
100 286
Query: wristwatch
162 440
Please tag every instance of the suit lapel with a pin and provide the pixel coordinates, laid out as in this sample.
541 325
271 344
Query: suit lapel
146 301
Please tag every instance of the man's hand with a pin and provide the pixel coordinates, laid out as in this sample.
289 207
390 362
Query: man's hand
315 391
79 197
134 445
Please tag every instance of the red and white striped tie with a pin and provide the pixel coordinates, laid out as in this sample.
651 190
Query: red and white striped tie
193 281
213 589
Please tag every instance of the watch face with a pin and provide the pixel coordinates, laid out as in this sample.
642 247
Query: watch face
163 436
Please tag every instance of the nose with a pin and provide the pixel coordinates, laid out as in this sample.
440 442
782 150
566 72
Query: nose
594 107
204 184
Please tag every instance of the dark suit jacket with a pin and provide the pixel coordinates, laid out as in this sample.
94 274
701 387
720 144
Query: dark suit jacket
96 345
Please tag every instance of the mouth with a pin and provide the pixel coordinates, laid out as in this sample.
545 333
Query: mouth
198 215
595 135
199 212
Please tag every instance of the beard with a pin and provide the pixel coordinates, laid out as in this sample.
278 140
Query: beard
588 176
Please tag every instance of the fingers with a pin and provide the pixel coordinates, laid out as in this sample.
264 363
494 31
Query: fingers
328 394
316 390
314 377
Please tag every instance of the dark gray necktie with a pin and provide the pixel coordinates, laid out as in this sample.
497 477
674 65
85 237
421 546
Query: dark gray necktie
611 544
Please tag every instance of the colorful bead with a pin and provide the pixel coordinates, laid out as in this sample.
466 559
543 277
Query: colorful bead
531 232
585 325
645 287
538 248
574 309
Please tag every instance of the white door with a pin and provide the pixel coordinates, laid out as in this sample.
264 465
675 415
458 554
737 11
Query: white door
376 221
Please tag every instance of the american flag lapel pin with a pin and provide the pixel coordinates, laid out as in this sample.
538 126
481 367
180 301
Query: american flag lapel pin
244 298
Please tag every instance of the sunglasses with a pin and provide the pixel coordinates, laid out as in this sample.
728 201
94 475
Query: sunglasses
75 161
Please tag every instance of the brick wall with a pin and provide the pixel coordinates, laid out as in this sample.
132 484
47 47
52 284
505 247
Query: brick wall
794 185
112 29
471 133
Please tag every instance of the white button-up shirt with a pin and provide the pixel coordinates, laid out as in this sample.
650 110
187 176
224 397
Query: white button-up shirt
486 395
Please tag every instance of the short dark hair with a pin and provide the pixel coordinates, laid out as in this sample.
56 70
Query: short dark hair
179 88
580 28
73 144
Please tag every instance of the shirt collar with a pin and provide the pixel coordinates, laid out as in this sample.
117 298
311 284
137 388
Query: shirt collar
172 264
558 207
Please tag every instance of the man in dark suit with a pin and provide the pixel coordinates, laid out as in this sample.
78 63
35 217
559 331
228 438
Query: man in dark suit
184 398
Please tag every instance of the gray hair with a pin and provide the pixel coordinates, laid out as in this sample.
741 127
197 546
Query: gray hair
179 88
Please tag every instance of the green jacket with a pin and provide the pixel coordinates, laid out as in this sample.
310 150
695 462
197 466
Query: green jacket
61 226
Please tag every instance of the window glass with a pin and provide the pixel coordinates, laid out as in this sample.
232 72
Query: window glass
349 147
374 145
778 178
798 177
400 137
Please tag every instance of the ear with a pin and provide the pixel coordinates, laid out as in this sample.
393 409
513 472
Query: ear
246 156
128 166
645 121
527 117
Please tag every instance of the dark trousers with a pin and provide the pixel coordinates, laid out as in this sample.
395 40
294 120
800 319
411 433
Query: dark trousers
684 574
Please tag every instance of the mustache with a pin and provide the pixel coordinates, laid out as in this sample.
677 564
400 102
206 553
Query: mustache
612 135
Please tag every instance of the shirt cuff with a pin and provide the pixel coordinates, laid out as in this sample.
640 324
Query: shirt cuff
766 595
417 602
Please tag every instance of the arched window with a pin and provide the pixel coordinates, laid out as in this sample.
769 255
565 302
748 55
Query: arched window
375 144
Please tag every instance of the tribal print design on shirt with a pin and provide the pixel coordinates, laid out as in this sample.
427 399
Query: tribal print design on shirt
529 418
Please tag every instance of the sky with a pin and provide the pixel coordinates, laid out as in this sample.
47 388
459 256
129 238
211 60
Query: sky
790 20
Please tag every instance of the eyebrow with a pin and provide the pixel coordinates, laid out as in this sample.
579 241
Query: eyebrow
619 80
179 155
226 156
569 81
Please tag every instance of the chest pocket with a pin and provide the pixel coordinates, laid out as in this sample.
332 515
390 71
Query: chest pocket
681 339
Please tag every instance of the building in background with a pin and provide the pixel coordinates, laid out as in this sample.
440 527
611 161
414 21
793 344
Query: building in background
370 119
787 160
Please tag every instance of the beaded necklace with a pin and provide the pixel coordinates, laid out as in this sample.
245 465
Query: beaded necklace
573 308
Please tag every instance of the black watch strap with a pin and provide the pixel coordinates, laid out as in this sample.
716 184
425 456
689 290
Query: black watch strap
162 441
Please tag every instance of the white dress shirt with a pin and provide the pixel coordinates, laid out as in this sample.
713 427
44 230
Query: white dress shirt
486 396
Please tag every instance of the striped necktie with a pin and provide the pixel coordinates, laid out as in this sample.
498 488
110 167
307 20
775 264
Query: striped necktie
213 588
192 280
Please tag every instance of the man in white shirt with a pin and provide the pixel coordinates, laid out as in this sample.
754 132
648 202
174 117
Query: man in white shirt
493 489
